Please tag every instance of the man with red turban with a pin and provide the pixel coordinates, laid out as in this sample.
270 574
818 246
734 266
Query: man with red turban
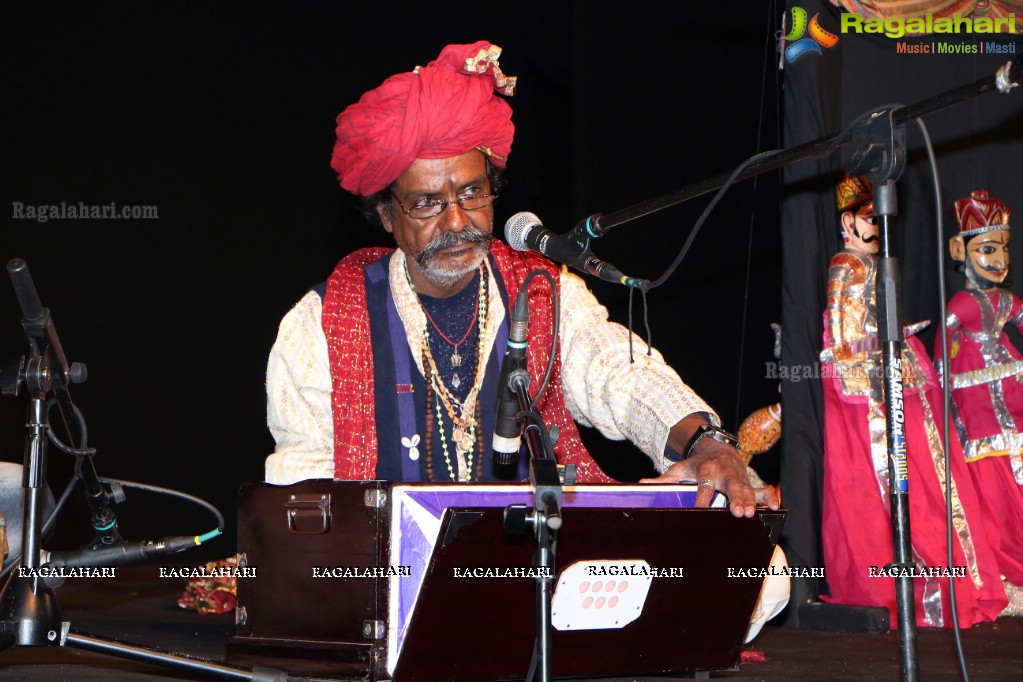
389 370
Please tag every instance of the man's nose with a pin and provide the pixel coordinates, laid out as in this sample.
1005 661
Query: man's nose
454 217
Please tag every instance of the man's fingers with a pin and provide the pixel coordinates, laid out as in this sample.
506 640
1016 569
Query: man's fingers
704 493
741 500
769 496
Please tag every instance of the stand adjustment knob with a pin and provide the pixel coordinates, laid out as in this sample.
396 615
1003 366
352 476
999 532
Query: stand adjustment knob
78 373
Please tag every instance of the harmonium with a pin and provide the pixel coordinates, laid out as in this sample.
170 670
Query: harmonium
372 580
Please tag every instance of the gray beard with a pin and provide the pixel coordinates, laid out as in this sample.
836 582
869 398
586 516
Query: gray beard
445 277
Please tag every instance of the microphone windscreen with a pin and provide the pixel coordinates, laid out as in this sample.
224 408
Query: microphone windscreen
517 226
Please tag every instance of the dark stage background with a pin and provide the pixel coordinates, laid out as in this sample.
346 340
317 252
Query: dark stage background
222 115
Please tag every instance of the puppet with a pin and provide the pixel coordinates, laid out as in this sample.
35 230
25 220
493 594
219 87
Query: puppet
856 523
987 374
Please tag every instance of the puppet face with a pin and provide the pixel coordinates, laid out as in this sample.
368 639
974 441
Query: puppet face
986 256
859 226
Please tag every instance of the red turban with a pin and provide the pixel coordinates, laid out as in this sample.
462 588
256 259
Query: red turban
443 109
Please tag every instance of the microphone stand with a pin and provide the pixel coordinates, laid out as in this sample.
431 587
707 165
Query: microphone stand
880 156
29 611
1007 77
545 520
46 369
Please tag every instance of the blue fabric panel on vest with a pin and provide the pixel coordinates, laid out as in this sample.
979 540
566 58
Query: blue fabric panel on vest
391 464
389 450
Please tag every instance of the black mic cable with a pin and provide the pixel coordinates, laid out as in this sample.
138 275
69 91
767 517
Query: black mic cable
507 428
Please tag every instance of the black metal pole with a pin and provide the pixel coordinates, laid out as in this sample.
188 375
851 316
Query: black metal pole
890 336
546 520
542 666
29 612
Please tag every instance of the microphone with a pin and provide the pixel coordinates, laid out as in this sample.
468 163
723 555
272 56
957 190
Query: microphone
525 232
507 430
119 554
25 290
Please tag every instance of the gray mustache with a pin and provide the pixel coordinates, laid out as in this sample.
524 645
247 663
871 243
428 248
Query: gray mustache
469 235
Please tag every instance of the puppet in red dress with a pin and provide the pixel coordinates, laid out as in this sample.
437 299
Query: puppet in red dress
856 522
987 373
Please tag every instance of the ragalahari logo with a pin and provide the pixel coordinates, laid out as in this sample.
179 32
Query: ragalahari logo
818 38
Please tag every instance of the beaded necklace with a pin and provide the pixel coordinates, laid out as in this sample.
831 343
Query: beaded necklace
463 414
456 358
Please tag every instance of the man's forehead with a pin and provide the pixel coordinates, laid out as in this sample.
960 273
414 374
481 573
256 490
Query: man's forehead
434 174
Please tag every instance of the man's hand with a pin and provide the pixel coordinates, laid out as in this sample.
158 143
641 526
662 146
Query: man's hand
717 466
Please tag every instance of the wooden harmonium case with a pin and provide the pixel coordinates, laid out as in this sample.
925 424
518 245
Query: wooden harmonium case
376 580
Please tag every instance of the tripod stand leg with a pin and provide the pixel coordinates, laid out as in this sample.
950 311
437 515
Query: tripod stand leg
29 613
205 668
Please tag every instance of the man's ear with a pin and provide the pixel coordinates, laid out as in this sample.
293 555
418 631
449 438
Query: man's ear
384 212
957 248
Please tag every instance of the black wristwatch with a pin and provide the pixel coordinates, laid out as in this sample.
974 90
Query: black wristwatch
702 431
708 431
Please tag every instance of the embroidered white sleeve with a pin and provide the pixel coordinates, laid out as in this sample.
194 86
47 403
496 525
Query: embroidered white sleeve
641 401
298 409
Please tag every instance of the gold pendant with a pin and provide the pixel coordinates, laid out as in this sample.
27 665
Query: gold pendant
456 359
466 443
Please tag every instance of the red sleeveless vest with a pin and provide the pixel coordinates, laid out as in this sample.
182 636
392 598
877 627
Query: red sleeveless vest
345 321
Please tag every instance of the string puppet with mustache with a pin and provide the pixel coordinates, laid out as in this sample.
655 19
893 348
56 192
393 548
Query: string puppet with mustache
856 524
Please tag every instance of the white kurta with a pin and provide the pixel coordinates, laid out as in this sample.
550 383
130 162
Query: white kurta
637 401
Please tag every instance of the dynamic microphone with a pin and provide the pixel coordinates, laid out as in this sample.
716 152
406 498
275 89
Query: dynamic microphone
508 430
119 554
525 232
25 290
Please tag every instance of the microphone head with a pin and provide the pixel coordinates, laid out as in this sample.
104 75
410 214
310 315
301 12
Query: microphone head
517 226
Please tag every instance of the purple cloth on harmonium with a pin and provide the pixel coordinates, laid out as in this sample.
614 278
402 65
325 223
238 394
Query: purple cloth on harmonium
414 544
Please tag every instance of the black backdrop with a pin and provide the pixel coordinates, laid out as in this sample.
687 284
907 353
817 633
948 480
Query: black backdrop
221 115
977 143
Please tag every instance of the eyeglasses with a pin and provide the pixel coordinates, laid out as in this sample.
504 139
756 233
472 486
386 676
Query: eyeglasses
428 208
